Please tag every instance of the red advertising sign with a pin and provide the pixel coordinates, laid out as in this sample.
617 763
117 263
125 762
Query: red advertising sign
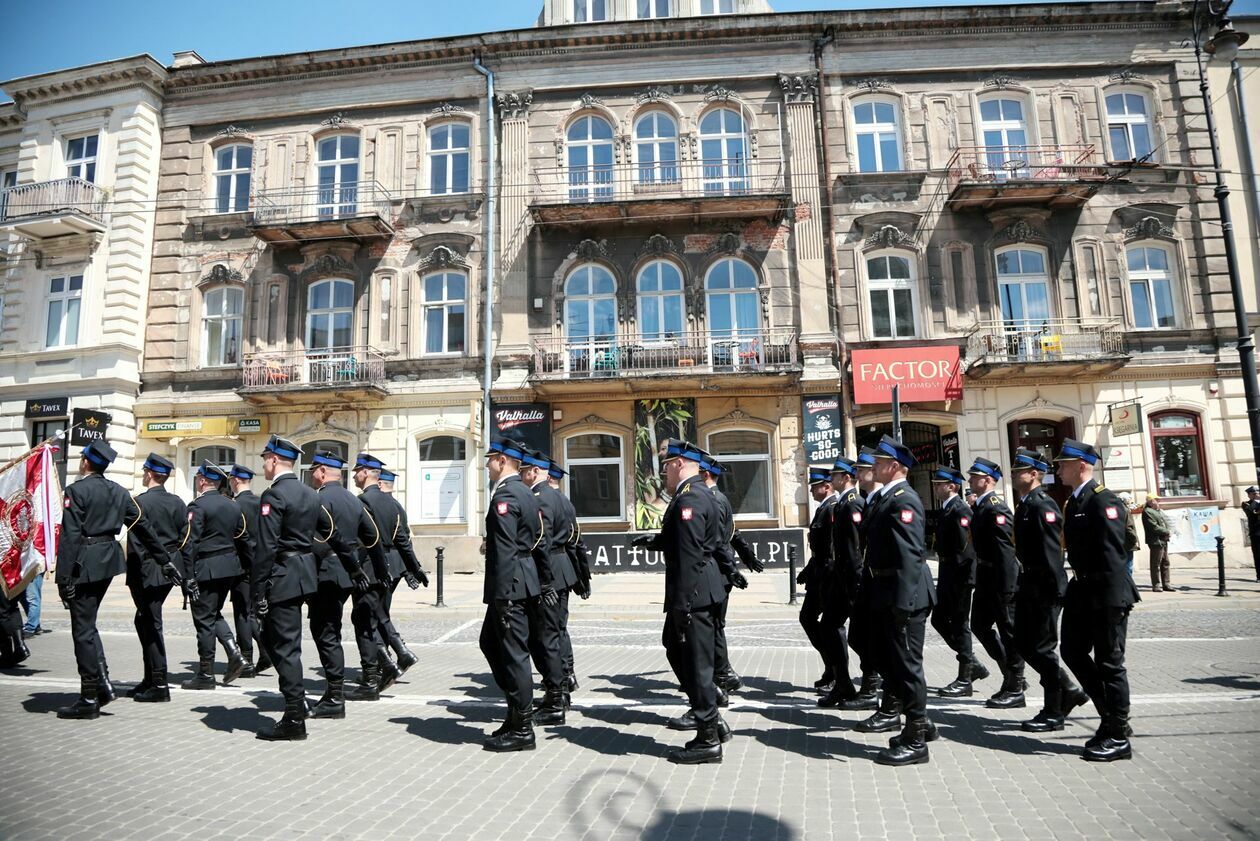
924 374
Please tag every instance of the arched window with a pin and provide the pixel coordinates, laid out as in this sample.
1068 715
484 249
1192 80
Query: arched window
590 156
448 158
877 134
232 166
1129 127
745 479
733 301
444 305
724 152
1023 288
1177 444
443 468
1151 287
221 317
594 482
1004 134
330 315
338 174
893 293
338 448
656 149
661 306
222 456
590 307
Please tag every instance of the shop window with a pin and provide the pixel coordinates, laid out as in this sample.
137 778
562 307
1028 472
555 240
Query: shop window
222 456
745 455
443 468
595 476
338 448
1177 443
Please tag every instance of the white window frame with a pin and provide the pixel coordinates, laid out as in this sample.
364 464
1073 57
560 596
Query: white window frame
1127 121
620 480
654 9
590 300
8 178
342 194
1021 280
733 459
303 468
584 10
659 332
657 170
728 296
235 202
733 173
83 167
62 300
223 317
995 161
717 7
446 304
879 130
461 516
1148 278
450 153
196 457
888 286
598 182
330 311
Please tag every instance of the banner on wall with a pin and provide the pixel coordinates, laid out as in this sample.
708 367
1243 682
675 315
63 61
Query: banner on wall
824 430
654 422
612 552
1193 529
949 450
88 426
922 373
524 423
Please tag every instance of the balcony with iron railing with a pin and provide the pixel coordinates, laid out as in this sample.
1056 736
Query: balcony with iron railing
48 209
982 177
748 351
345 372
614 193
358 210
1064 346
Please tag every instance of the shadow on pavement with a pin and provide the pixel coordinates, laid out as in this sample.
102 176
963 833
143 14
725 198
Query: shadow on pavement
231 719
483 685
761 688
442 730
1249 683
639 686
729 825
998 735
633 716
815 735
48 702
610 741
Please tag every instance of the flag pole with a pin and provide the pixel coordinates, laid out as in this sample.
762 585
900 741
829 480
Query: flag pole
24 456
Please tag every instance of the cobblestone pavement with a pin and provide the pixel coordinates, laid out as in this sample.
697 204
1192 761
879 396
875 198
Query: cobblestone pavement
411 765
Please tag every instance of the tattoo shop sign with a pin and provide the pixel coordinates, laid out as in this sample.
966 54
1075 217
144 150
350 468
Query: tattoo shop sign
524 423
824 432
613 552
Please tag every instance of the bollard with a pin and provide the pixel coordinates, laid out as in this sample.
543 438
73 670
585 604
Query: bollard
441 564
791 574
1220 566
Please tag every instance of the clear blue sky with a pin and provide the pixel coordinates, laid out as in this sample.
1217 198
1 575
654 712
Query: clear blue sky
39 35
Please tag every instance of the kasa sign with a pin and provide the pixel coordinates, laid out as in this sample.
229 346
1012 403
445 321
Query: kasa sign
923 373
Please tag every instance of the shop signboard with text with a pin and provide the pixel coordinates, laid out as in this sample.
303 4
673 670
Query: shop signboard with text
923 374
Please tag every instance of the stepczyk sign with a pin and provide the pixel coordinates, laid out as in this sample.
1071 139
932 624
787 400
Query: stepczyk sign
612 552
923 373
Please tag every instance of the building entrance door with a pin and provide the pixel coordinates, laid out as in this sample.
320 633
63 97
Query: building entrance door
924 440
1046 437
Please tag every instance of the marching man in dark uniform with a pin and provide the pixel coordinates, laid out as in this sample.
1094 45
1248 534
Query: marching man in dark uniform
1099 598
512 586
283 577
846 552
149 585
694 591
548 627
901 595
955 580
816 576
218 551
733 546
997 579
350 528
860 633
403 566
1251 508
579 556
248 628
1042 583
88 557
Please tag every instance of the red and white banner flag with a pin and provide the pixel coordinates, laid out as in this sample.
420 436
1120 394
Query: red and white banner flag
30 519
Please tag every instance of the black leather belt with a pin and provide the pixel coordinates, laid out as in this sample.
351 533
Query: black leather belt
99 538
288 556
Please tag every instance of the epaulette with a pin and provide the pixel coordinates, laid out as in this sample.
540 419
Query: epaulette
994 499
1098 488
899 492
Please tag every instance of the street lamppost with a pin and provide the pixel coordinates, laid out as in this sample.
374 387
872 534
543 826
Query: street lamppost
1224 45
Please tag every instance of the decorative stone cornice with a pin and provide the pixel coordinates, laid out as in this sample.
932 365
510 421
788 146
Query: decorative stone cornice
1000 82
514 106
727 243
589 249
798 88
446 109
652 94
443 257
1020 231
658 245
94 79
219 274
888 236
871 85
1150 227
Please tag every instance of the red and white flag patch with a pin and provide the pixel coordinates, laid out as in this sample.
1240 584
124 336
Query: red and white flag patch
190 516
266 509
502 508
686 513
1051 517
965 522
1001 519
907 516
67 503
857 516
1113 513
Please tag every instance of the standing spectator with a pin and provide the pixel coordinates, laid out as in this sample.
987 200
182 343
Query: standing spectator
1131 542
1157 531
30 599
1252 509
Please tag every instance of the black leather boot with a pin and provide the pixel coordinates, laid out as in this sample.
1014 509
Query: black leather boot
867 695
86 705
828 678
248 670
105 690
841 693
389 673
145 683
406 659
519 734
333 702
264 661
1011 695
570 682
706 747
910 748
723 700
1050 718
959 687
552 709
1113 745
930 734
290 728
204 678
369 677
882 721
686 721
729 681
235 663
978 671
1073 696
158 691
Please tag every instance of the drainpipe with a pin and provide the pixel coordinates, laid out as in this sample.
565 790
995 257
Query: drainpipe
487 306
1248 153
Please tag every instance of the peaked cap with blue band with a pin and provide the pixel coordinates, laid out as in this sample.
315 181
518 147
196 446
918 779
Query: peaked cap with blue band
240 471
818 474
367 461
506 447
845 465
283 448
159 465
329 459
1077 451
100 453
388 475
949 474
534 458
1029 460
866 457
890 447
984 467
211 471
